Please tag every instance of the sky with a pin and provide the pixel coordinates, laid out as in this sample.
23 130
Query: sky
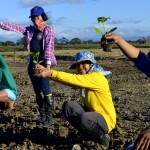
77 18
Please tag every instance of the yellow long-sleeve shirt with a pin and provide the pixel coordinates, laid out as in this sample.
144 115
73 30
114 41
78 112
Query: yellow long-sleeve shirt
97 96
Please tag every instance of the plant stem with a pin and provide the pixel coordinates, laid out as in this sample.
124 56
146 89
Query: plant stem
104 27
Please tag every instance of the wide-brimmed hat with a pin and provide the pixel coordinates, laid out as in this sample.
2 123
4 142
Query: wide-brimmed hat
82 56
36 11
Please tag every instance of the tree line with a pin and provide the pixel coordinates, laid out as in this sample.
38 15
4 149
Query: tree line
65 41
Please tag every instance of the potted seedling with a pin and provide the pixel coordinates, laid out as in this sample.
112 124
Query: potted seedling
35 56
104 42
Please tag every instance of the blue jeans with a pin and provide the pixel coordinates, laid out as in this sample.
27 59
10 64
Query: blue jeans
40 85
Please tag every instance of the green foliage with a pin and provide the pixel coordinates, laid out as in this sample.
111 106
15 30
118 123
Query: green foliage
35 57
22 41
77 46
103 30
58 47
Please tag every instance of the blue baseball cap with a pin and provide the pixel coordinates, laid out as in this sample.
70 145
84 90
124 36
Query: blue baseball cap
36 11
83 56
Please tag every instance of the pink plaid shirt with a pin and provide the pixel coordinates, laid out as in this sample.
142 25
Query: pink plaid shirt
48 39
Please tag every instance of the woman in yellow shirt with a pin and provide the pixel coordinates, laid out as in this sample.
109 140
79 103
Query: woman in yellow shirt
97 116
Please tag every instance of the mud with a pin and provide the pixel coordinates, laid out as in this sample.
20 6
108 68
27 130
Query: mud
130 90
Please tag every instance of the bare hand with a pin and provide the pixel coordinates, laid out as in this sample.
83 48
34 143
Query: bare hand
43 72
143 141
39 23
112 38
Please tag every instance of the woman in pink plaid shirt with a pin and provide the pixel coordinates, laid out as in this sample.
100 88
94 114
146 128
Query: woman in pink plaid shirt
40 38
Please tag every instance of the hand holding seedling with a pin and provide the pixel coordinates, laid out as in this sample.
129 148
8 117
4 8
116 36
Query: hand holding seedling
35 56
112 38
43 72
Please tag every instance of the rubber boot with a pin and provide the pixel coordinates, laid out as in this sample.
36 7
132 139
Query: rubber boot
97 135
49 110
40 102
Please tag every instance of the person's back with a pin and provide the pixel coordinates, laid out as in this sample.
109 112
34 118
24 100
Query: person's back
8 87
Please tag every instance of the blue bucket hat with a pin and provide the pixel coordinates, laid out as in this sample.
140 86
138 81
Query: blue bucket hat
36 11
83 56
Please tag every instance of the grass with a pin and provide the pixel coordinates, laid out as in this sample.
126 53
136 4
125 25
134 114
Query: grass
97 53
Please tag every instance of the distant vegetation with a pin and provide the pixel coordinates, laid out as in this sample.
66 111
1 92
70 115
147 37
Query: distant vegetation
65 44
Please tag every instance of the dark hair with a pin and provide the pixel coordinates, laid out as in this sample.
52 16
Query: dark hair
43 15
84 62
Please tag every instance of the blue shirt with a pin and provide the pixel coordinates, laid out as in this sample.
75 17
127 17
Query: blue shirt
143 63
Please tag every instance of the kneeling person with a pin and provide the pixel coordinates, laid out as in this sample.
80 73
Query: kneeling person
97 116
8 88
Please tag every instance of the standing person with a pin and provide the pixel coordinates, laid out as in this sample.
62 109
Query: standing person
97 116
141 62
40 38
8 88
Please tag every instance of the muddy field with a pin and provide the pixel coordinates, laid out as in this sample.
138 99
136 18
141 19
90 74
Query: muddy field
130 90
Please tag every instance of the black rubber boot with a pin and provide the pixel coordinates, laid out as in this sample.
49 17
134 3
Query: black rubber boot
103 141
97 134
49 110
40 102
41 119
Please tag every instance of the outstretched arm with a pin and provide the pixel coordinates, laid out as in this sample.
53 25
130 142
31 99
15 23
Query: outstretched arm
129 50
13 27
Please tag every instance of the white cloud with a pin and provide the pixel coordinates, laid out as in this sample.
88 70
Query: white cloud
29 3
8 35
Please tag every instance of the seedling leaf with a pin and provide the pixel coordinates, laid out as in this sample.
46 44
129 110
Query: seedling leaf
35 62
112 29
102 19
97 30
35 56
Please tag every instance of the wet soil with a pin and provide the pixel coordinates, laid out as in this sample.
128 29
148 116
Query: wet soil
130 90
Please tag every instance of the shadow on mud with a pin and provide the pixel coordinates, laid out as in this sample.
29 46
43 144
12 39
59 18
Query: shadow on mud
37 135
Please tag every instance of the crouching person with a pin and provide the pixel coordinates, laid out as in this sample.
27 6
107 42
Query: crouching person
97 116
8 88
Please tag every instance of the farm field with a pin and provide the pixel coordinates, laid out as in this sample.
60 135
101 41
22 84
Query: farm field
129 87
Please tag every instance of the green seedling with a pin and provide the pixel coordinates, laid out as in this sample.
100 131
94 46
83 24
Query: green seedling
103 31
35 57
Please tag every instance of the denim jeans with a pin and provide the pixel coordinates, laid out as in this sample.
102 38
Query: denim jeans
40 85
